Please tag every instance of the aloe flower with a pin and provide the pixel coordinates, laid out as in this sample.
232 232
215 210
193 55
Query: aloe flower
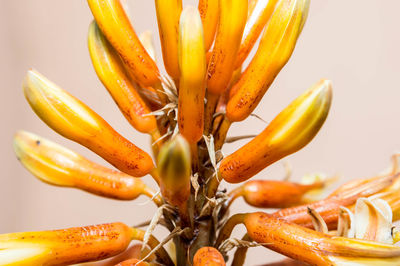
187 113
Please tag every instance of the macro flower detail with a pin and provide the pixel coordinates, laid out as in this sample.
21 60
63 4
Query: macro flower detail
187 113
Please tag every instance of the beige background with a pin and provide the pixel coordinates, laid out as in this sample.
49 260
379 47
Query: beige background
354 43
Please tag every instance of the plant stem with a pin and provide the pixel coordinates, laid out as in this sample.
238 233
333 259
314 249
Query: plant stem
226 230
161 253
212 101
212 185
221 134
195 157
240 254
157 199
155 144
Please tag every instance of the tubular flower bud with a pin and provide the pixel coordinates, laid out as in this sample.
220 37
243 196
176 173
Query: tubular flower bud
290 131
115 24
64 247
232 19
111 72
72 119
345 196
275 49
174 168
258 18
192 64
208 256
209 12
314 247
59 166
273 194
168 14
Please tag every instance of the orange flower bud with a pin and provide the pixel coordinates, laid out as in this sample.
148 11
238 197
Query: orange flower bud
168 14
65 247
260 13
290 131
273 194
74 120
275 49
208 256
59 166
314 247
209 12
232 19
113 75
115 24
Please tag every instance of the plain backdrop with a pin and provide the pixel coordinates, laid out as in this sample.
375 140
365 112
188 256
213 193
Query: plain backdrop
353 43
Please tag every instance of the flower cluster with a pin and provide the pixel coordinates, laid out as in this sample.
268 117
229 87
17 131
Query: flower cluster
187 113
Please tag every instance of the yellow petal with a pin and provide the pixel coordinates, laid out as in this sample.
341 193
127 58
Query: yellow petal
192 64
373 220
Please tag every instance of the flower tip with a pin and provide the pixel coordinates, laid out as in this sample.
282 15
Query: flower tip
21 142
32 76
174 168
325 86
190 12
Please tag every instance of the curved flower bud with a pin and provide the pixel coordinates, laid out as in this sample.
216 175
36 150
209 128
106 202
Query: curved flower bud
65 247
290 131
192 64
174 168
209 12
275 49
112 74
232 20
72 119
259 14
314 247
273 194
208 256
59 166
168 14
115 24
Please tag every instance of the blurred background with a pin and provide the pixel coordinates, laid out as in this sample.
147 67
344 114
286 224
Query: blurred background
353 43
